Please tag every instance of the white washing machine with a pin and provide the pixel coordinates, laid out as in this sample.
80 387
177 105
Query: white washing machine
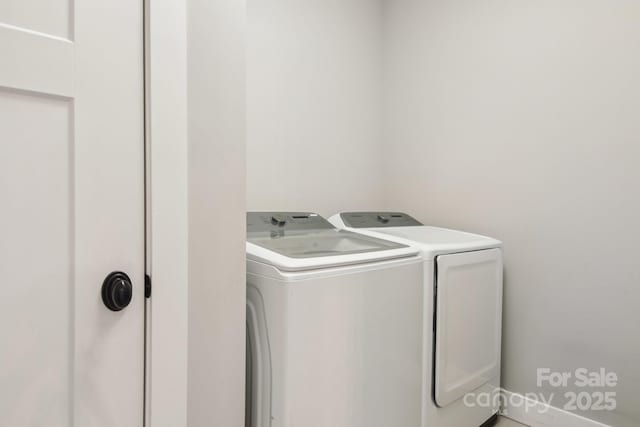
463 315
334 326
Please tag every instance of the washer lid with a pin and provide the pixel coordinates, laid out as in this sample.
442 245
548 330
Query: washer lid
303 241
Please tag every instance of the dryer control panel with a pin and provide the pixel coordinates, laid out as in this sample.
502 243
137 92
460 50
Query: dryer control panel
289 221
378 219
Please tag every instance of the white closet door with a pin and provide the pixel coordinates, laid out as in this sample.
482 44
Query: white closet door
71 212
468 322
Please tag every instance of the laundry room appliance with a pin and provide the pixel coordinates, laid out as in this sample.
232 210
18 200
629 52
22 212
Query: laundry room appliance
463 315
334 326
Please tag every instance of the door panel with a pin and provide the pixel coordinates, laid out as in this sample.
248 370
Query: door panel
52 17
36 62
72 210
36 319
468 322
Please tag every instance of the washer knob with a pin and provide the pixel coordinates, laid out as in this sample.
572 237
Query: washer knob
383 219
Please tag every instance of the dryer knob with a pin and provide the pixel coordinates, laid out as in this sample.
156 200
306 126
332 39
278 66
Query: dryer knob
278 220
383 219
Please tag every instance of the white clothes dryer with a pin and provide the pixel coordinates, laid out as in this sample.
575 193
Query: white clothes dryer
463 315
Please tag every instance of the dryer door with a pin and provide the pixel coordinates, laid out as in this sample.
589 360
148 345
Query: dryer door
468 322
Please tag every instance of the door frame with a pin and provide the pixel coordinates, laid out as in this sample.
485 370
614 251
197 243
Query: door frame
166 193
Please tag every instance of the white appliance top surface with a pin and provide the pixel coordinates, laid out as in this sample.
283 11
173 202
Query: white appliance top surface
433 241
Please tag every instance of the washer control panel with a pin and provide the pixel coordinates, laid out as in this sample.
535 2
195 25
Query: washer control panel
378 219
289 221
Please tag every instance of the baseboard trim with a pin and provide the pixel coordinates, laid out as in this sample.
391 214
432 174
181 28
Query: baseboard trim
492 421
538 414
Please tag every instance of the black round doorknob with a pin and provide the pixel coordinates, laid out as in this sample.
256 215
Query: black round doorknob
117 291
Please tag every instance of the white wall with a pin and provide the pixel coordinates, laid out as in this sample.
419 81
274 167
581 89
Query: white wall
313 105
216 97
521 120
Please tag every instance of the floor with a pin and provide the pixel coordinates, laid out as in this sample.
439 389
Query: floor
507 422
